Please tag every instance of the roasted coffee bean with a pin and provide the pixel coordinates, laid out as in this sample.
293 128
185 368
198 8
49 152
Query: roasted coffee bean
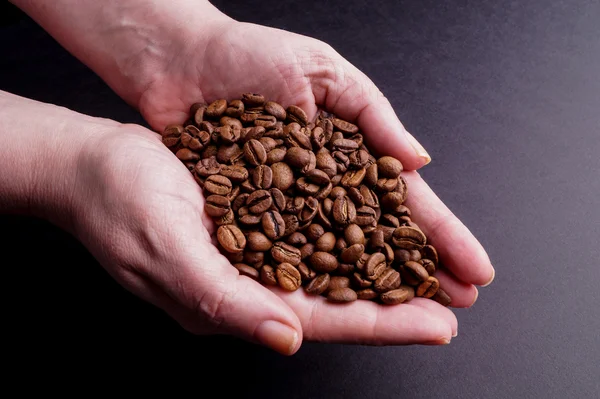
386 185
273 224
262 177
247 271
231 238
259 201
217 184
297 114
235 173
216 109
267 275
388 252
354 235
306 188
365 215
288 277
395 297
294 136
230 133
341 160
318 285
362 261
324 191
229 154
345 146
235 109
335 180
317 176
413 273
297 157
239 201
297 238
282 176
391 201
356 196
402 188
375 266
217 205
275 155
253 99
228 218
353 177
255 259
428 265
340 244
308 213
428 288
266 121
326 163
344 126
257 241
291 224
429 252
250 219
406 237
344 211
345 269
352 254
338 191
295 206
358 281
387 281
318 138
342 295
326 243
254 152
185 154
279 202
208 167
389 167
282 252
442 297
337 282
359 159
268 143
275 109
366 294
307 250
314 232
323 262
306 272
389 220
371 176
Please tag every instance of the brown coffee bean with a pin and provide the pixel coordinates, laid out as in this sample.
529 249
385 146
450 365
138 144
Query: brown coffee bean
282 176
318 285
295 206
259 201
356 196
279 201
207 167
273 224
365 216
294 136
275 109
229 154
344 126
390 201
387 281
249 219
386 185
354 235
370 198
389 220
388 251
282 252
406 237
371 176
231 238
267 275
254 152
307 250
326 243
324 192
217 205
359 159
291 224
235 173
314 232
345 269
185 154
402 188
345 146
308 213
428 265
337 282
317 176
340 244
257 241
323 262
297 157
216 109
342 295
389 167
429 252
442 297
341 160
239 201
227 218
255 259
428 288
318 138
353 178
366 294
375 265
230 133
335 180
338 191
297 238
247 271
217 184
266 121
262 177
395 297
353 253
253 99
268 143
306 272
326 163
359 281
297 114
235 109
288 277
252 133
413 273
344 211
306 188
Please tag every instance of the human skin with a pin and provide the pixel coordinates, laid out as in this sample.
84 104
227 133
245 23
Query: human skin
140 213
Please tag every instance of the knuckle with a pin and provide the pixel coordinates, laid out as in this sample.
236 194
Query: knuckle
212 306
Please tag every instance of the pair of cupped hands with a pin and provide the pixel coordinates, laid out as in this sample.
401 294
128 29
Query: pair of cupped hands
138 210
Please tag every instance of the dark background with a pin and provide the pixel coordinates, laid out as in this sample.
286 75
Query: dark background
506 98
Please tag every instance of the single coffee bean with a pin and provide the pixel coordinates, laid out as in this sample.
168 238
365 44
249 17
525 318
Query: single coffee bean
297 114
375 266
294 136
388 252
318 285
230 133
254 152
297 157
326 163
366 294
386 185
395 297
335 180
337 282
389 167
318 138
247 271
262 177
253 99
273 224
318 177
216 109
371 176
306 272
275 109
359 159
442 297
275 155
345 269
340 244
308 213
227 218
429 252
217 205
268 143
231 238
249 219
297 239
390 220
267 275
314 232
235 173
291 224
235 109
353 253
338 191
252 133
391 201
345 146
341 160
239 201
356 196
428 265
207 167
344 211
282 176
185 154
370 198
288 277
362 261
326 243
257 241
365 216
413 273
307 250
408 238
387 281
402 188
295 206
217 184
358 281
266 121
279 202
255 259
353 178
428 288
354 235
259 201
305 187
342 295
229 154
344 126
323 262
282 252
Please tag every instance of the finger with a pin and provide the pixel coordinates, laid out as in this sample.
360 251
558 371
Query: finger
368 323
463 295
442 311
192 272
347 92
458 249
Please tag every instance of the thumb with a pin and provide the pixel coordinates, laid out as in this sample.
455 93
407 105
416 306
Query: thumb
344 90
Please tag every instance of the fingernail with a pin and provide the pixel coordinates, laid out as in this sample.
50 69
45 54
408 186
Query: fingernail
418 148
455 335
277 336
440 341
476 296
491 279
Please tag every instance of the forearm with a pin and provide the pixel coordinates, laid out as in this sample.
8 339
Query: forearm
125 42
40 145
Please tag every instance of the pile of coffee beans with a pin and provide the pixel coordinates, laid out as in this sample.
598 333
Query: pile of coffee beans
305 204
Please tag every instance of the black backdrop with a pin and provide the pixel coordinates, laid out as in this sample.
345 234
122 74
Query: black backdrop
506 98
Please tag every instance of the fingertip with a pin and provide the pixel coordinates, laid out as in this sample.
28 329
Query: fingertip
278 336
493 276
